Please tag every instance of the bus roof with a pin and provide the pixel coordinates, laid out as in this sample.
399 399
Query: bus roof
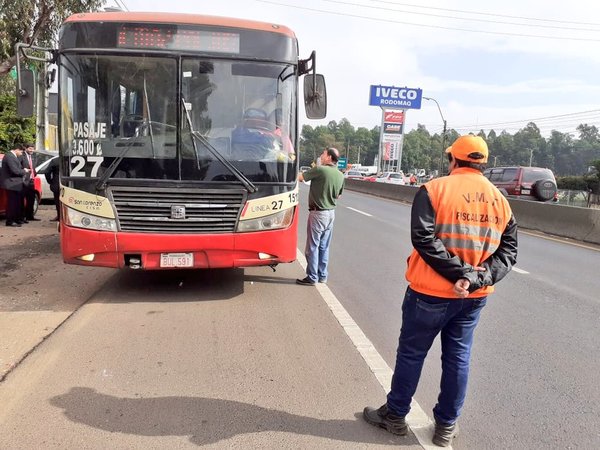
178 18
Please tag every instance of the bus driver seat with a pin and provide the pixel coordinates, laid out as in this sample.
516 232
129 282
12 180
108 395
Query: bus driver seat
254 138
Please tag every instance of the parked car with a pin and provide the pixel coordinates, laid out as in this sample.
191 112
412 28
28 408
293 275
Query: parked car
355 175
37 183
527 183
46 193
391 177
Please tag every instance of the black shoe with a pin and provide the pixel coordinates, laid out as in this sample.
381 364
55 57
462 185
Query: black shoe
384 419
33 219
22 221
305 281
444 434
13 224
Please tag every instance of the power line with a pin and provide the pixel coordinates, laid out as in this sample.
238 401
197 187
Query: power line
497 33
532 120
487 14
461 18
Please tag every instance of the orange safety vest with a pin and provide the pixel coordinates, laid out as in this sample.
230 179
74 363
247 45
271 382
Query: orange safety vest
470 216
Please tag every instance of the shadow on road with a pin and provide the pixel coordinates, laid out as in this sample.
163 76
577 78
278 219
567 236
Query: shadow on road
172 286
206 420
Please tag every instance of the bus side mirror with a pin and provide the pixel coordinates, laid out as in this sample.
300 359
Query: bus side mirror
315 96
25 93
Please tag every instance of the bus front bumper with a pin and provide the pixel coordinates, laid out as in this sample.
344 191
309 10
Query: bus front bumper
154 251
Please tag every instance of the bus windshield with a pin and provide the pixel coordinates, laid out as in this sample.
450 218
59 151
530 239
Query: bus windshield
133 117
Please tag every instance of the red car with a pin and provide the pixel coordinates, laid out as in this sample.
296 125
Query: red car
37 183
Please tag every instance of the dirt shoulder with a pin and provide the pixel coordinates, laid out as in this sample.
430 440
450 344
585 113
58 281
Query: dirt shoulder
37 290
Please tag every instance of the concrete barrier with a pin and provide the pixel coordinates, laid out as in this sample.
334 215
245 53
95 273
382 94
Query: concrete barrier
573 222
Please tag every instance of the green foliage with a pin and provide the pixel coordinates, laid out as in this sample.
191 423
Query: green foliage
35 22
13 129
572 183
568 157
7 86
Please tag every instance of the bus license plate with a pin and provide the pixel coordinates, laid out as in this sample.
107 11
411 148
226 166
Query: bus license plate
176 260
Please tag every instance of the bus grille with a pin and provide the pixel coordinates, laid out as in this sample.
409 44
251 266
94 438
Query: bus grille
177 210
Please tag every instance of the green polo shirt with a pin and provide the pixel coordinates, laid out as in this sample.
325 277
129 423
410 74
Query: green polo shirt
326 185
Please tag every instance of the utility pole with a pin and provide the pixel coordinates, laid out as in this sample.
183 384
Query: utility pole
41 117
530 156
443 157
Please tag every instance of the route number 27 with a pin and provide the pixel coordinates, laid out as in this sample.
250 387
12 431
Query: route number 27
78 164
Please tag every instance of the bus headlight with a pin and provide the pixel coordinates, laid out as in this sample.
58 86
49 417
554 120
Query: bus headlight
89 222
282 219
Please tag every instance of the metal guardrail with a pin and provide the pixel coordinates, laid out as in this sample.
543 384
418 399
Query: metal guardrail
582 224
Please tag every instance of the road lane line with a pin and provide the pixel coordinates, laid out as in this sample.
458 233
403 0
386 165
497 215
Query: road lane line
359 211
562 240
419 422
521 271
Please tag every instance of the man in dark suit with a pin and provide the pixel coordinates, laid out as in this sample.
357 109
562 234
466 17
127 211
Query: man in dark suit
11 179
28 184
52 177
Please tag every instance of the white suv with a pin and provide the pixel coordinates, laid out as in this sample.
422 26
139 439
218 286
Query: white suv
391 177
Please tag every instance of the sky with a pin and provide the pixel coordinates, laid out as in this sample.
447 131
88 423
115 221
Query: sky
489 65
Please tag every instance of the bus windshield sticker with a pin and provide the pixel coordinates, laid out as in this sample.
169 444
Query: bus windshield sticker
86 152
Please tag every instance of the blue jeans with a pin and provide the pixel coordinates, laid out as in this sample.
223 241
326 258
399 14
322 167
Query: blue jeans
318 237
423 318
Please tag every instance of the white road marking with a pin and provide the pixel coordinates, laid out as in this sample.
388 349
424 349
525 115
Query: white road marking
419 422
360 212
521 271
567 241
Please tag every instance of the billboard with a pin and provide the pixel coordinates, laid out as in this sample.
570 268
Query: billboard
395 97
391 116
392 150
392 128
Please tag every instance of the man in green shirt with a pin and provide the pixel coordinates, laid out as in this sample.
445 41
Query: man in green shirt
326 186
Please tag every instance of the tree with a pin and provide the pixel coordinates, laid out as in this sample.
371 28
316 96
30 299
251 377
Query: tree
588 133
34 22
418 149
529 145
366 146
13 129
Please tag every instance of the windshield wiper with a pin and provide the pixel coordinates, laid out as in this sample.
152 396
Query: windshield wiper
149 123
102 181
250 187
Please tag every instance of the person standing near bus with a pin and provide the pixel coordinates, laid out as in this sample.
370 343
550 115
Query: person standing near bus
53 179
465 241
11 179
327 184
28 184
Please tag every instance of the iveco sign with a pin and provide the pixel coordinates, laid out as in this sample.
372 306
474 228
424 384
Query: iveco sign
395 97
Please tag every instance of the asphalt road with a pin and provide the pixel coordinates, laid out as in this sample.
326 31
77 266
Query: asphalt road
180 359
534 379
248 359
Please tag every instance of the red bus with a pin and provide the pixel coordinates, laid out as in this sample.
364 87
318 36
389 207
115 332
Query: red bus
178 138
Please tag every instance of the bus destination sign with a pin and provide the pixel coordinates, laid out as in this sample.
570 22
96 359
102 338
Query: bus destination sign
177 38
